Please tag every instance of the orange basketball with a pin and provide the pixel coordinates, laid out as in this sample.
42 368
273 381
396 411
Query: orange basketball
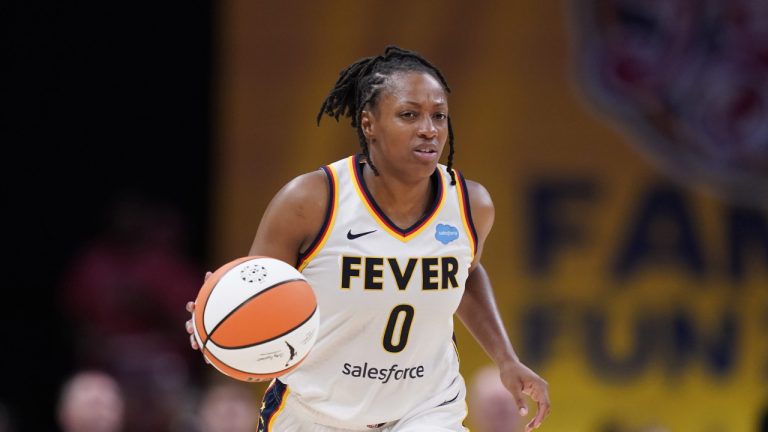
255 318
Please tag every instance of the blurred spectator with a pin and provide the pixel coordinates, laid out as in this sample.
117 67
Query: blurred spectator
124 295
491 407
91 401
228 406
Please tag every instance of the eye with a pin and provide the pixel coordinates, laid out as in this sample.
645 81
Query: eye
408 115
440 116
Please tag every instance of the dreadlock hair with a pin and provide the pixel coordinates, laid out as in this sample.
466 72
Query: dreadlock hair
360 84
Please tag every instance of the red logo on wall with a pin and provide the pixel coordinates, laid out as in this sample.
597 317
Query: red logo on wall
688 79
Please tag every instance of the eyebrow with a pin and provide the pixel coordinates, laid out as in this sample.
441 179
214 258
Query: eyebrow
409 102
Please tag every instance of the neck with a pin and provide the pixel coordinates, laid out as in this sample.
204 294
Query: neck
404 202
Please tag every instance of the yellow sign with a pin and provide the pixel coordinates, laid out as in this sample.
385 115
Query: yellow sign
623 279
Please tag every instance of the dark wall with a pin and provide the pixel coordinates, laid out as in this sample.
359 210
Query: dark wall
104 99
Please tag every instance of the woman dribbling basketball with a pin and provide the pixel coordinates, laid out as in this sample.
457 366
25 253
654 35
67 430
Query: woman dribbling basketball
391 241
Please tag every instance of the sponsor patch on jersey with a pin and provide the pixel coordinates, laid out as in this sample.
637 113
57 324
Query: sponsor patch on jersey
445 233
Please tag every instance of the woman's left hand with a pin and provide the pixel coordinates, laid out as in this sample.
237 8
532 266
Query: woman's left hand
521 380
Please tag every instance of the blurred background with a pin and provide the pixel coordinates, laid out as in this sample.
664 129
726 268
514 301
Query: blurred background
624 142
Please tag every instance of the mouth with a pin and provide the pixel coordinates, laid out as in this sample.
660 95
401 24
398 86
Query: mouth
426 147
426 153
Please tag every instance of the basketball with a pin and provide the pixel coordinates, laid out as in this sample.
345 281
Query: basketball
255 318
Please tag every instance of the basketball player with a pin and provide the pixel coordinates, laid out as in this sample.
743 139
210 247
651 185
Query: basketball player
391 242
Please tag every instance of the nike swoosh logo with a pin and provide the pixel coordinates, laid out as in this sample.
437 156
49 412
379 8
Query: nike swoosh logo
354 236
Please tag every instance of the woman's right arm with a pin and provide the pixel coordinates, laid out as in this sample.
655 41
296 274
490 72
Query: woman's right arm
290 223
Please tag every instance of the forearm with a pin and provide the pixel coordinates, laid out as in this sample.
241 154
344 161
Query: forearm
481 317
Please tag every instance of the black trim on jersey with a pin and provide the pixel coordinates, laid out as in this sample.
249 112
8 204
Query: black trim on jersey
272 399
437 196
468 208
456 347
450 400
326 219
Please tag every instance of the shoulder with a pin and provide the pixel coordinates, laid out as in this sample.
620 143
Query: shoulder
306 188
479 197
293 217
303 200
481 207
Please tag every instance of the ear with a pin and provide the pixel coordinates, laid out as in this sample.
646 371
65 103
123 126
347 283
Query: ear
367 123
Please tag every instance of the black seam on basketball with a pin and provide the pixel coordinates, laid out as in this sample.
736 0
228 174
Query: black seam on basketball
202 320
270 339
210 334
208 298
240 370
255 374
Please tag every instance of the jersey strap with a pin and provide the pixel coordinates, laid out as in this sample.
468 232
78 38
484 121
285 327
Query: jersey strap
330 217
466 212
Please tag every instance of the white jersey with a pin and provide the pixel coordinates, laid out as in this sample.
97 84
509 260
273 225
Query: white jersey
386 299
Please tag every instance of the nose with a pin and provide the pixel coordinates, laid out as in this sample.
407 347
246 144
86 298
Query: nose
427 128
